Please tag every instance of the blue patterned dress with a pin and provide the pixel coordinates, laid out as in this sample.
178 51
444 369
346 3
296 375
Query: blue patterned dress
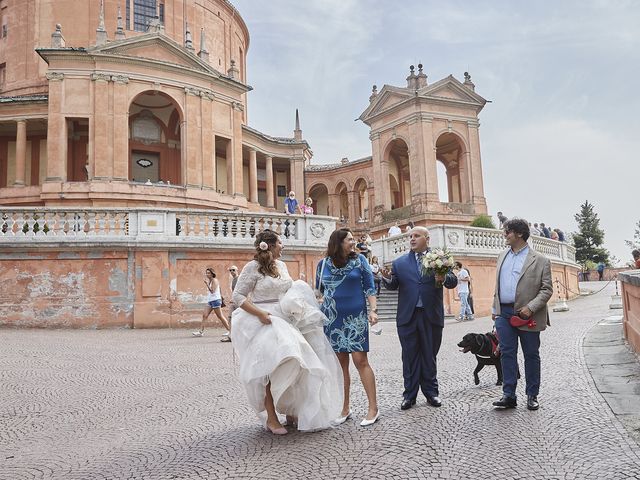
345 303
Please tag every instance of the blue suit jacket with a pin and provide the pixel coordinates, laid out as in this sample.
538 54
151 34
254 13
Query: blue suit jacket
409 283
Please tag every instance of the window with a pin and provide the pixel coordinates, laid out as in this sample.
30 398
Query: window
3 74
143 12
161 13
5 29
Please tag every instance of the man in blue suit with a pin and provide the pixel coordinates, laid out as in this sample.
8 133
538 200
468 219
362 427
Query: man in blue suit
420 319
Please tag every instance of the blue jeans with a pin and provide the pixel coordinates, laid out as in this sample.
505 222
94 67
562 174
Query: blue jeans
465 308
530 341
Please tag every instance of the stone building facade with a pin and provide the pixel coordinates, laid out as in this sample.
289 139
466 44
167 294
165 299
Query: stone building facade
412 129
134 102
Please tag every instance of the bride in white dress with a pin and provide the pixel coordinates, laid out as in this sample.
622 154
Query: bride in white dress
287 365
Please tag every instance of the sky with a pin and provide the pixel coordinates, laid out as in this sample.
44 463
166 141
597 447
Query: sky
563 125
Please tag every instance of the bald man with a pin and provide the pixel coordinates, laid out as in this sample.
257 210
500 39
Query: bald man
420 319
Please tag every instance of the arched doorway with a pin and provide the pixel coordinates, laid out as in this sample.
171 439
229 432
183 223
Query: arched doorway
155 123
450 151
399 174
343 202
362 199
320 195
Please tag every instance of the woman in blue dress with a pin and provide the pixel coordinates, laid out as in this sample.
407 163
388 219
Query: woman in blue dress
346 282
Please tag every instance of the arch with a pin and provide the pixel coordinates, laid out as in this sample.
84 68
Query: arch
361 189
451 152
397 156
343 201
319 193
155 143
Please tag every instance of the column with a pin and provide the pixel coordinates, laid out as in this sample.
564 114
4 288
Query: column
120 128
431 172
380 177
193 138
102 140
207 142
297 177
21 153
270 192
238 185
475 169
334 205
353 208
253 176
56 131
231 173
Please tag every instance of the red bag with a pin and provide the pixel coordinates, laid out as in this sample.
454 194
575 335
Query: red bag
517 321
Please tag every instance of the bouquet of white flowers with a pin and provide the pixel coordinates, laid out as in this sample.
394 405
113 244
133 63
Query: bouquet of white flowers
437 262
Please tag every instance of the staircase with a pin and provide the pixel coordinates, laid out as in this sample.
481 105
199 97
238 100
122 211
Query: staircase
387 305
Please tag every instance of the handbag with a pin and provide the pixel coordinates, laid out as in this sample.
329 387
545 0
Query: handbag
318 291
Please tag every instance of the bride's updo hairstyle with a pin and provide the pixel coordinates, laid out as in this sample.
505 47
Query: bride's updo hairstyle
265 241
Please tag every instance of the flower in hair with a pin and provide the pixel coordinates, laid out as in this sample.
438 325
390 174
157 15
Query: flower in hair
263 246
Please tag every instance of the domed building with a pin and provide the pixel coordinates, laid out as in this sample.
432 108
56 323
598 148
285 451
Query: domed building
134 102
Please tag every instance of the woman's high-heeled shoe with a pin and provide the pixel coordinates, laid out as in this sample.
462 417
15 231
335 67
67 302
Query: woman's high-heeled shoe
366 423
341 420
278 430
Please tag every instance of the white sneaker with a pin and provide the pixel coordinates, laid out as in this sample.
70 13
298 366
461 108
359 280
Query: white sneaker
199 333
225 334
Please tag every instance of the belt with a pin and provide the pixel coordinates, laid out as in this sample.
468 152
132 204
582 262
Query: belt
507 305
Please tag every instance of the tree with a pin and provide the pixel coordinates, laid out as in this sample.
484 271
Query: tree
635 243
590 237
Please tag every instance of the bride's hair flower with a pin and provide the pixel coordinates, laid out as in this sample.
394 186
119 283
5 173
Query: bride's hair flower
263 246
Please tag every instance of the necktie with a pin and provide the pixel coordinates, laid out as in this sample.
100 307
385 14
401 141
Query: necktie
420 255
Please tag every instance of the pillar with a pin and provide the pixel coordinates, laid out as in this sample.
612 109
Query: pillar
193 114
102 140
56 131
476 165
270 189
334 204
380 167
431 171
21 153
231 173
238 115
207 142
253 176
353 207
120 128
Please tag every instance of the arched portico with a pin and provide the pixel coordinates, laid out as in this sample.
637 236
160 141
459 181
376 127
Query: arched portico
319 193
397 158
362 200
155 147
451 152
342 210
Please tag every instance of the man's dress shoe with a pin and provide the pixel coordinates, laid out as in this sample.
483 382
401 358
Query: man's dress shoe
407 404
506 402
532 402
434 401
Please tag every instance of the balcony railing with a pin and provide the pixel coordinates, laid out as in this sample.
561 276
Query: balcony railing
24 226
470 241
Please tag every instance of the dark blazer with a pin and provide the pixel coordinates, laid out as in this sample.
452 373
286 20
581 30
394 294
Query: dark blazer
405 279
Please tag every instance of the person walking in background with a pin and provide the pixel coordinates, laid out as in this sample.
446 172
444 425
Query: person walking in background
409 226
463 292
545 231
535 230
600 269
214 303
560 233
420 318
501 219
377 276
523 288
233 271
306 208
346 282
636 257
553 235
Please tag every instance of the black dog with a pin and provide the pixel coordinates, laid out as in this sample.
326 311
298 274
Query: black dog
485 347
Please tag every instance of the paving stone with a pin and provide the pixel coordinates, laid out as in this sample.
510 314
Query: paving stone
160 404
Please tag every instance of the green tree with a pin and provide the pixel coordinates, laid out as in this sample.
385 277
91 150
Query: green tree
590 237
635 243
483 221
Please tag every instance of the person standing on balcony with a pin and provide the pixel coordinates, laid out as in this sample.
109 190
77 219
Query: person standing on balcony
523 288
394 230
545 231
501 219
346 282
636 257
214 304
420 319
306 208
291 206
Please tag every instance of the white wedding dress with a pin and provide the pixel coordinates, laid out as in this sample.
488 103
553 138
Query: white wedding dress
292 352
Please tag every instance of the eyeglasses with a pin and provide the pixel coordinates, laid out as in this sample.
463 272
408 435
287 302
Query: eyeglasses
232 270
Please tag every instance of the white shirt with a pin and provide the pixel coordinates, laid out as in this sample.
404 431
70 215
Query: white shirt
395 230
463 287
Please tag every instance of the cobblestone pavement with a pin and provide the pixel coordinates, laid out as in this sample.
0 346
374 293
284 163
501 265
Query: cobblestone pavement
160 404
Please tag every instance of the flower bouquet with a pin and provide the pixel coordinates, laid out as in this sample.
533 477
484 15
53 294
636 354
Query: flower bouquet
437 262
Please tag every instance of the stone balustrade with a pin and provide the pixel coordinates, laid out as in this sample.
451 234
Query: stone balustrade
21 226
471 242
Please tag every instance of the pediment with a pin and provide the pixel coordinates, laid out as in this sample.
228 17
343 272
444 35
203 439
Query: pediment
388 98
450 88
156 47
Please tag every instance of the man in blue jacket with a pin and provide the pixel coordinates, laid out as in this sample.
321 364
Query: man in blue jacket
420 319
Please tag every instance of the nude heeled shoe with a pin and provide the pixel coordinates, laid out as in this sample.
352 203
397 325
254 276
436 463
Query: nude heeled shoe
277 431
